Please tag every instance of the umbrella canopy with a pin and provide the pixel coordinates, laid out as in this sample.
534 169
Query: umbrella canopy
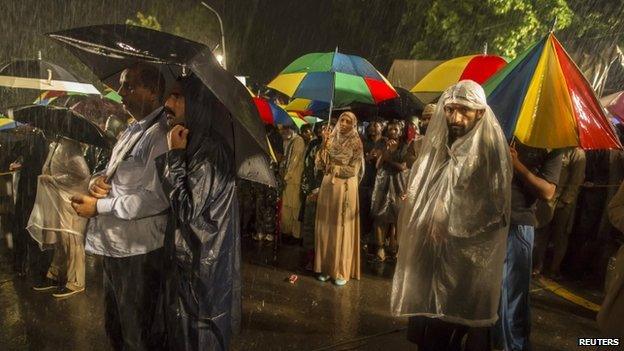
403 107
306 107
271 113
7 123
474 67
333 77
61 121
543 99
41 75
109 49
312 119
299 122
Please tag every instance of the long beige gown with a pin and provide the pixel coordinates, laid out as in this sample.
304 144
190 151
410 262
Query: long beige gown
337 232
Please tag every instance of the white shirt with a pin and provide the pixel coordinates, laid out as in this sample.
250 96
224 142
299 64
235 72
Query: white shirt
132 219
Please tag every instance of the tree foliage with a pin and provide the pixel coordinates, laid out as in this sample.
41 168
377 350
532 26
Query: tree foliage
448 28
142 20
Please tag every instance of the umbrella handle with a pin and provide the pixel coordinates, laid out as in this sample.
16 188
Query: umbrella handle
49 81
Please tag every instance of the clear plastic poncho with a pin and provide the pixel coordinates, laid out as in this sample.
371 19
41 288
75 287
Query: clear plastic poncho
452 227
65 174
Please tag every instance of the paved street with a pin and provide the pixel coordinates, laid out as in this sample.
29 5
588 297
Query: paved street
277 315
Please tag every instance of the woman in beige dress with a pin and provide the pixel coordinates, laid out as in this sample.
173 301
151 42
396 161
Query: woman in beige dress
337 232
53 222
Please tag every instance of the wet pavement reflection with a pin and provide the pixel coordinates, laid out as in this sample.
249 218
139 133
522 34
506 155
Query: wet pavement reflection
277 315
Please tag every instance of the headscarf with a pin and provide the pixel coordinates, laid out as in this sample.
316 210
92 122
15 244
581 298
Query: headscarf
342 147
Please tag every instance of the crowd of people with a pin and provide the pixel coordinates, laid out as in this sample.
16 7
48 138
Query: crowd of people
467 218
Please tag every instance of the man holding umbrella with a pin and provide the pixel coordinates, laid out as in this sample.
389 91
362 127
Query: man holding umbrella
128 211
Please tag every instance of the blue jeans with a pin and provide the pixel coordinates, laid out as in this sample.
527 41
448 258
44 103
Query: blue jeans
514 323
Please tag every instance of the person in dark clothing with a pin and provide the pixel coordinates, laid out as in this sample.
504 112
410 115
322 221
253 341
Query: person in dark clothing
389 186
536 173
586 238
374 144
203 301
310 182
33 149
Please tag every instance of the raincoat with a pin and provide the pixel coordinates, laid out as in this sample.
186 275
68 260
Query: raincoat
452 228
65 174
202 242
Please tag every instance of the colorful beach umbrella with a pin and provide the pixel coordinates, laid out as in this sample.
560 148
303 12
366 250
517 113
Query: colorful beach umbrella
335 78
307 107
271 113
474 67
7 123
544 100
299 122
312 119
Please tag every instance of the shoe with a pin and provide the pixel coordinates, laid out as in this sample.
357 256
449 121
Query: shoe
258 236
322 278
269 237
340 282
47 284
65 292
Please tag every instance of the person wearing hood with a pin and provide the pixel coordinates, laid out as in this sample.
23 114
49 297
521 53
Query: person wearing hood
202 244
453 226
337 229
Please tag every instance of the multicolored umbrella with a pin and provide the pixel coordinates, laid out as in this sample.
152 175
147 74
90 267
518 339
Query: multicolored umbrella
312 119
475 67
335 78
307 107
7 123
299 122
543 99
271 113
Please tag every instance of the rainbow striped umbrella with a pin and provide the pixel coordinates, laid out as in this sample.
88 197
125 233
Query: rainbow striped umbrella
7 123
299 122
271 113
543 99
306 107
474 67
335 78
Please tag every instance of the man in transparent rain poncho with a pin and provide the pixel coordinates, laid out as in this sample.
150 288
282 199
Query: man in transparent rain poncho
453 226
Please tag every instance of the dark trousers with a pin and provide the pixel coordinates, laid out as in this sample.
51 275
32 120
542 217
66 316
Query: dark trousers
556 232
513 327
131 290
431 334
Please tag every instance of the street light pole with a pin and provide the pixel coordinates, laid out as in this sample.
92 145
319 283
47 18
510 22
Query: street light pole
222 33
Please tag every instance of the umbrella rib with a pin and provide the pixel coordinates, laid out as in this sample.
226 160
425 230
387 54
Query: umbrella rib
92 48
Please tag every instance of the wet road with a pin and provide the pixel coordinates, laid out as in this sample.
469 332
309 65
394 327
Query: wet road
277 315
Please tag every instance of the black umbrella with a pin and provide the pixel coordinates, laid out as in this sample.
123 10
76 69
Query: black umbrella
60 121
403 107
109 49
